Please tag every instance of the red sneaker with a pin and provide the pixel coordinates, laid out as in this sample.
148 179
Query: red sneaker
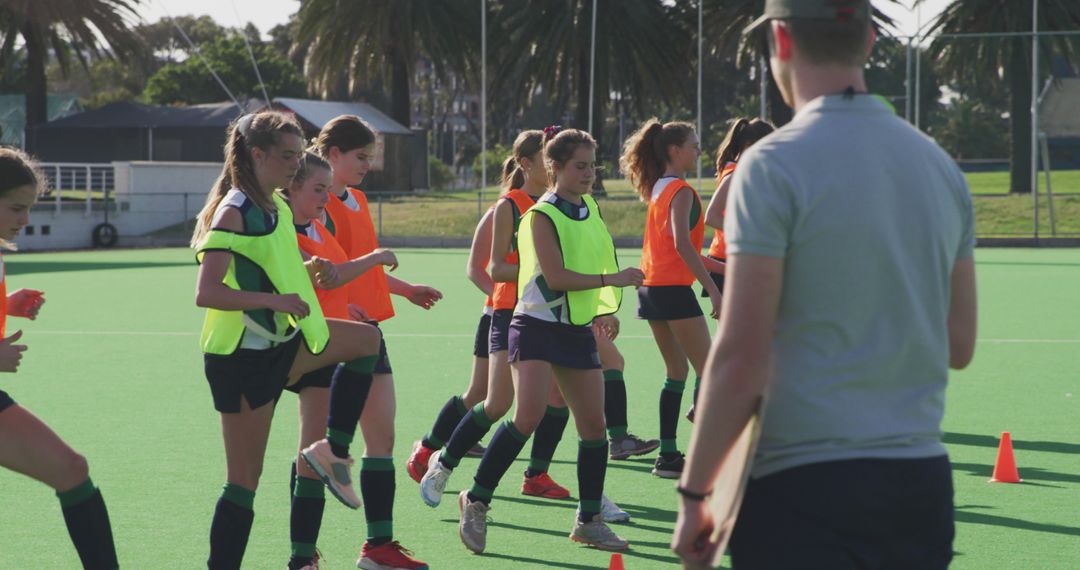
543 486
418 461
389 556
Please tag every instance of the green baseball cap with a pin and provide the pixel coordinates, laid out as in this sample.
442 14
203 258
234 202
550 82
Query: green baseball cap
840 10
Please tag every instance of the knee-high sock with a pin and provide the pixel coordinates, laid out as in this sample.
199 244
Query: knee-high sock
615 403
231 527
501 452
670 401
87 522
349 390
469 431
305 520
377 487
449 417
546 439
591 471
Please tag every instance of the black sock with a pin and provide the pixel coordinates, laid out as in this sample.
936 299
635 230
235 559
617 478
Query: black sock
349 390
469 431
449 417
292 480
546 439
501 452
377 488
231 527
87 522
670 402
591 471
305 519
615 403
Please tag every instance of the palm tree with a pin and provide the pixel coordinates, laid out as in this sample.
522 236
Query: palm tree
367 40
72 29
725 21
544 48
1006 59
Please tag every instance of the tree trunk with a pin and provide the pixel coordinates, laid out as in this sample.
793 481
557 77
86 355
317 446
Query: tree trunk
400 103
1019 77
37 102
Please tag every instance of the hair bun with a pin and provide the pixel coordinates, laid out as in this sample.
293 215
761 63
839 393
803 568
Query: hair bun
551 131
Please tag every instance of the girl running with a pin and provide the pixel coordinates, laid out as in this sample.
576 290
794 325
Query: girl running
307 197
524 180
568 277
457 406
348 145
263 323
655 159
27 445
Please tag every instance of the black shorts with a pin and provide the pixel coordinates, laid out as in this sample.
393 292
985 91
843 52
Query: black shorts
717 278
383 365
499 338
480 343
667 303
259 376
5 401
560 344
318 379
863 513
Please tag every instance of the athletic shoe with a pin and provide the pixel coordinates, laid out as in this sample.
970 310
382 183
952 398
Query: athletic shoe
476 451
313 565
610 512
542 485
596 533
418 461
690 414
389 556
473 526
334 471
433 483
630 444
669 468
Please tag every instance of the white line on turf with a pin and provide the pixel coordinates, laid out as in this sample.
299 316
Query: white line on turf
463 335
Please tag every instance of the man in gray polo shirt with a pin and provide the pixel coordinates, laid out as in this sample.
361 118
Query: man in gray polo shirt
852 291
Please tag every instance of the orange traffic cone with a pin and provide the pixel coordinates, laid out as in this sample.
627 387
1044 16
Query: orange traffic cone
616 562
1005 467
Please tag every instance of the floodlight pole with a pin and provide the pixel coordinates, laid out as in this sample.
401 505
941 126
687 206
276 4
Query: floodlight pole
700 67
483 98
1035 112
592 68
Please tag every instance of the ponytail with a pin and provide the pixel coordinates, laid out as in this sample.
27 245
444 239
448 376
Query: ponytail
528 144
645 154
743 133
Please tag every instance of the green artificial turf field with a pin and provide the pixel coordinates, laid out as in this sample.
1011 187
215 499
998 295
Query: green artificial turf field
114 367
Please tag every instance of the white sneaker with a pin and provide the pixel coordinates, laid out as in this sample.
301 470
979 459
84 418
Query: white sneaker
596 533
610 512
473 526
434 481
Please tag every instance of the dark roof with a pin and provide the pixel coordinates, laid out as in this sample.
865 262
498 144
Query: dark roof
129 114
319 113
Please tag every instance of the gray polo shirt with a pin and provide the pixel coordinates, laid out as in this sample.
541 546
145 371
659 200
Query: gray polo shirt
869 216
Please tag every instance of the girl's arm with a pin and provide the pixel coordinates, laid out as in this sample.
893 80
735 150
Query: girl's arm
423 296
560 278
476 269
346 272
211 291
714 214
502 236
680 229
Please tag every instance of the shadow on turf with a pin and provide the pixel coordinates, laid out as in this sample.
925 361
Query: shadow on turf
17 268
1018 443
1025 263
637 512
645 465
964 515
1028 474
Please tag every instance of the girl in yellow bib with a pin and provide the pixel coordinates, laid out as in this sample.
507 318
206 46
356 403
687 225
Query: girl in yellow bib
27 445
263 324
655 159
568 276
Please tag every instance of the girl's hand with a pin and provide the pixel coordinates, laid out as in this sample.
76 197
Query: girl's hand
357 313
631 276
716 299
424 296
387 258
11 353
607 325
25 303
291 304
326 274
